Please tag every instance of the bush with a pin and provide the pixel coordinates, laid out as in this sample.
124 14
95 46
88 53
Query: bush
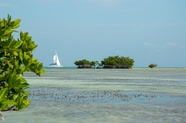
16 57
152 65
117 62
84 63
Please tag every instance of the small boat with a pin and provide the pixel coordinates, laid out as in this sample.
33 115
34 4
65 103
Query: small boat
56 62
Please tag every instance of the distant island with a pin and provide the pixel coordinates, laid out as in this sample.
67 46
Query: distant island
152 65
111 62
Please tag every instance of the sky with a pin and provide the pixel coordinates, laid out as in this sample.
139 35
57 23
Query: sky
148 31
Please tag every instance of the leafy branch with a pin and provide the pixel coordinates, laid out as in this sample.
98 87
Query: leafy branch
16 57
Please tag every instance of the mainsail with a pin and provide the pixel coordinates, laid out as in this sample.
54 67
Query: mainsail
56 62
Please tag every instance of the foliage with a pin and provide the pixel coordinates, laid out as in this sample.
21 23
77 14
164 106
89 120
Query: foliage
15 58
84 63
118 62
110 62
152 65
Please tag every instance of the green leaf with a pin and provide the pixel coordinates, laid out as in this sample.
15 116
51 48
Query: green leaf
8 43
22 69
15 53
14 80
2 32
3 93
18 44
15 23
2 77
15 96
42 71
3 106
34 60
21 56
16 26
26 56
24 86
7 32
32 46
8 102
21 103
39 66
23 80
16 64
9 18
26 103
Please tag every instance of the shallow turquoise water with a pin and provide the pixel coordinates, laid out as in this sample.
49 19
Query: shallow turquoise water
102 95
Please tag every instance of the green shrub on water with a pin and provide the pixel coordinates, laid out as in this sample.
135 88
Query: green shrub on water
16 57
152 65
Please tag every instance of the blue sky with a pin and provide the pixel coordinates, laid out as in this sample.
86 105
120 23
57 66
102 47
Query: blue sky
148 31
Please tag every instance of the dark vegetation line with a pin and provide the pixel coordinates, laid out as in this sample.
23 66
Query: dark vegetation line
111 62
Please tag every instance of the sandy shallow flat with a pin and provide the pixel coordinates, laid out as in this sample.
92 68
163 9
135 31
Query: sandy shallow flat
127 112
116 96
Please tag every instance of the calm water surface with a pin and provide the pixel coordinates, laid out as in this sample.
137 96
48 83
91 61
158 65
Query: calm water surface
138 95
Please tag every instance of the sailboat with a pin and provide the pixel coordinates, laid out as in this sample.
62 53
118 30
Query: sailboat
56 62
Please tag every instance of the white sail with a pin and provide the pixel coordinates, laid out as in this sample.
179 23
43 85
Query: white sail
54 59
56 62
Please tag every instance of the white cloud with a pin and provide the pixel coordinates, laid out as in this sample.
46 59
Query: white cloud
171 44
152 48
148 44
166 45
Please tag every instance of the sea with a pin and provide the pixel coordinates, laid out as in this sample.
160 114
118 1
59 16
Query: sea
137 95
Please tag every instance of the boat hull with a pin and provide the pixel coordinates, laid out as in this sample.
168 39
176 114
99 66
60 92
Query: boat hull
54 66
